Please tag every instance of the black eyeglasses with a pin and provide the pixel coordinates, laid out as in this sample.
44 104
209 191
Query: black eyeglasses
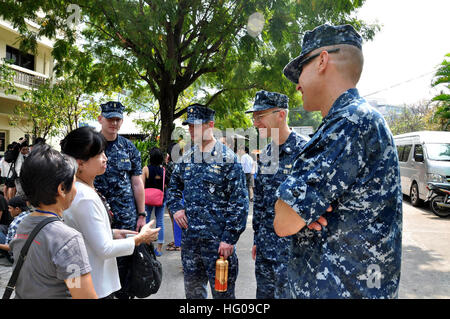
311 57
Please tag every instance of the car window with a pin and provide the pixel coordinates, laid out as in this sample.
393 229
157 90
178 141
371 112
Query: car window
418 150
406 152
400 149
403 152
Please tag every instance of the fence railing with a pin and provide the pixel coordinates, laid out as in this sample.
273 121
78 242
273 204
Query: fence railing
27 79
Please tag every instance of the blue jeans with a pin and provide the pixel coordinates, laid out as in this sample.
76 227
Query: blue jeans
176 234
159 214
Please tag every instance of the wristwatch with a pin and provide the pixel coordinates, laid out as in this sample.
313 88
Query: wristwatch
143 214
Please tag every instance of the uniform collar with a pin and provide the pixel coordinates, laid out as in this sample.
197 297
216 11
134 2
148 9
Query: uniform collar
343 100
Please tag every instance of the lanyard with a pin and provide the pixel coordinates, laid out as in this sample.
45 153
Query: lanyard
46 212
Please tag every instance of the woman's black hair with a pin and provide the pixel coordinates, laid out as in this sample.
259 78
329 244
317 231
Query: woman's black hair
18 201
83 143
156 156
43 171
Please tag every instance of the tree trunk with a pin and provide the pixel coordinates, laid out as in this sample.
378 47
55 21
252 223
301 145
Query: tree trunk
167 103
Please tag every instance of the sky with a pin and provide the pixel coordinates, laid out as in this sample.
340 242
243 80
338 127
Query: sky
403 57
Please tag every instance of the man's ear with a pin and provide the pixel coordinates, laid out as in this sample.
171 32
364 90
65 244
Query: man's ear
61 190
99 118
323 61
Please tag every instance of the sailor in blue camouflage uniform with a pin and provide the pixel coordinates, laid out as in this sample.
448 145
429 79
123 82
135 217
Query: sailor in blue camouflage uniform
214 212
350 163
121 184
270 252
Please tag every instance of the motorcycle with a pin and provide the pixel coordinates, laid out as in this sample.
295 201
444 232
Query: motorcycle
439 198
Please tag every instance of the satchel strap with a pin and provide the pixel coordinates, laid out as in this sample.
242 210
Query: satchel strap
23 253
164 177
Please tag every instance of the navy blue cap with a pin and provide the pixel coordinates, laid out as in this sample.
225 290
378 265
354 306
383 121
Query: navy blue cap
112 109
265 100
322 36
199 114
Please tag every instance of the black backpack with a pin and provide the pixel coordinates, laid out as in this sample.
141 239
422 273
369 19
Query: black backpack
145 273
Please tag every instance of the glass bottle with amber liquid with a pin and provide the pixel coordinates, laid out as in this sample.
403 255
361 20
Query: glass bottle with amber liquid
221 282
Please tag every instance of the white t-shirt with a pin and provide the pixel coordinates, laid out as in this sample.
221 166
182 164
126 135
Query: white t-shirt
247 163
88 215
19 162
6 168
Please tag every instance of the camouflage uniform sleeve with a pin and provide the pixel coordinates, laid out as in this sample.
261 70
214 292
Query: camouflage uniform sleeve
175 190
135 159
237 209
258 205
326 170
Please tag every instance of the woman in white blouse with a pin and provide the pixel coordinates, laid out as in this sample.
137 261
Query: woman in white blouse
90 215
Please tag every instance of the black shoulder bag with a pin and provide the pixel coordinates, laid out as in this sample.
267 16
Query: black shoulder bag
23 253
145 273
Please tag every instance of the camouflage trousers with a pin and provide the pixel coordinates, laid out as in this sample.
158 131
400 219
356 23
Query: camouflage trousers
199 257
271 279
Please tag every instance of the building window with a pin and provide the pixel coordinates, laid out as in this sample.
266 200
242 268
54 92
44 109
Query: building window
23 60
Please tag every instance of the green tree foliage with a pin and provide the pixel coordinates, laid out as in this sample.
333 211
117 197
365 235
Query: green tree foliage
442 77
173 45
7 79
50 109
300 117
412 118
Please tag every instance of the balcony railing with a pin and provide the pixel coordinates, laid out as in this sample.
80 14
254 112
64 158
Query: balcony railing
27 79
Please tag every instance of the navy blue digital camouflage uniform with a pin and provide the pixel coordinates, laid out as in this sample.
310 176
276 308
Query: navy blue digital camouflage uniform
351 163
272 251
124 161
216 207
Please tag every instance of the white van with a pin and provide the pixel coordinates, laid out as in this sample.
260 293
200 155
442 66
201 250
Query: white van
423 157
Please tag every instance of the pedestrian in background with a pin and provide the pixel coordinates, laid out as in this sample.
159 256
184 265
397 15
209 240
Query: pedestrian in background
175 245
18 210
247 167
24 151
153 176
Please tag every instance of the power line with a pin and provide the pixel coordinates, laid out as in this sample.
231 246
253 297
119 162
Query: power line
398 84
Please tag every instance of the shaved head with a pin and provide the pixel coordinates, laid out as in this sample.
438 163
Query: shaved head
349 61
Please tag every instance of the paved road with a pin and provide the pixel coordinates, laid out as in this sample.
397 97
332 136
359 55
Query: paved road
425 260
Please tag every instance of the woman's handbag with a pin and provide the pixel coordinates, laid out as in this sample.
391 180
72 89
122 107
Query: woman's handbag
145 272
154 196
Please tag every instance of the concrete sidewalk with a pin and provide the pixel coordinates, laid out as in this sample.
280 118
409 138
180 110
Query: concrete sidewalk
425 269
172 286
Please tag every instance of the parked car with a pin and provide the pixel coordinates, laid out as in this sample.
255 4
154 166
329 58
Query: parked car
423 157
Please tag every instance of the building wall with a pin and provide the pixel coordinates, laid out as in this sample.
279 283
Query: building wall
43 67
